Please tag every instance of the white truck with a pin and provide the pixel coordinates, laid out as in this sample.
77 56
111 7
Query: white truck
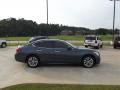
93 41
3 43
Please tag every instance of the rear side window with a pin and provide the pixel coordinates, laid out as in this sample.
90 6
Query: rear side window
46 44
90 38
59 44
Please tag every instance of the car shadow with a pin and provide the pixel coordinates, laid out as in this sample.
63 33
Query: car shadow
60 65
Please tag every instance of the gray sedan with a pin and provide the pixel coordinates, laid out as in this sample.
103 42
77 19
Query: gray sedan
49 51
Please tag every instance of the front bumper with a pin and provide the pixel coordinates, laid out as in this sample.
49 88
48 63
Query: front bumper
98 60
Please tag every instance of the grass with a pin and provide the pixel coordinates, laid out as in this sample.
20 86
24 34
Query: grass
71 38
74 43
15 38
63 37
80 37
61 87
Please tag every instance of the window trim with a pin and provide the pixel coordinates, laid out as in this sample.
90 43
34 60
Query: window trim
38 46
66 45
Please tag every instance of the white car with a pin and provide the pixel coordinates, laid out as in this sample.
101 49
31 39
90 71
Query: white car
93 41
3 43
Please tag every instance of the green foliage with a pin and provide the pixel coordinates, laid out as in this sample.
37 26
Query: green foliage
103 31
61 87
62 37
11 28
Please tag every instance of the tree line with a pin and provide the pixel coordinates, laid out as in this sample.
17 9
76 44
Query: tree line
21 27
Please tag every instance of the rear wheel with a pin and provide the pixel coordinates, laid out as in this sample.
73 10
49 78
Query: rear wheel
88 62
86 46
3 45
101 46
33 61
114 46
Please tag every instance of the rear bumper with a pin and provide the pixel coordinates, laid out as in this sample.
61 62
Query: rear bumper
90 44
20 57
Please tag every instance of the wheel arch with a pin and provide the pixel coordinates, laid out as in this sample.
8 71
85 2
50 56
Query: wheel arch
88 55
31 55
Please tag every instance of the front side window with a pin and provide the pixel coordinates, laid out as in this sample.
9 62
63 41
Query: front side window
59 44
46 44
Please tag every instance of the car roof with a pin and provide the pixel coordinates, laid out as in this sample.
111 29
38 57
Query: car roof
48 40
39 36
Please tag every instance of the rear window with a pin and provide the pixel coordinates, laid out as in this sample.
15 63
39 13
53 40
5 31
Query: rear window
90 38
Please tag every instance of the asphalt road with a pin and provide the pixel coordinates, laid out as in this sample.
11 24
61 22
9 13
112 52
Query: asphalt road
12 72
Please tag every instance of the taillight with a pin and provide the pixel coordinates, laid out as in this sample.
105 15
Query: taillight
18 50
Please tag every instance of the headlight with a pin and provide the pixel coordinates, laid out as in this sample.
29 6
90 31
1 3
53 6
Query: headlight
97 53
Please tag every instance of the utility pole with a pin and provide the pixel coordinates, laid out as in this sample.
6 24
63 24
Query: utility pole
47 10
114 11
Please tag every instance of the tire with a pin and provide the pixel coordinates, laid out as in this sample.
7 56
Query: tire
114 46
33 61
3 45
86 46
88 61
97 47
101 46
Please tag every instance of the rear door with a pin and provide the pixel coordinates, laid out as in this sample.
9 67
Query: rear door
45 51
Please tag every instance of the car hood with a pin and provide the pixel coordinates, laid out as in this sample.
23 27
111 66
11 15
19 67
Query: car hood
85 49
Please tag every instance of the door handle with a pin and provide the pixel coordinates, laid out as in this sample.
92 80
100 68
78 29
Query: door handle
57 51
39 50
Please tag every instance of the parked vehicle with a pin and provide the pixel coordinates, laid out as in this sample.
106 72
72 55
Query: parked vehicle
49 51
93 41
32 39
3 43
116 42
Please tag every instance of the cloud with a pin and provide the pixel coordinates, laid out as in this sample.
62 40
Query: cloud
83 13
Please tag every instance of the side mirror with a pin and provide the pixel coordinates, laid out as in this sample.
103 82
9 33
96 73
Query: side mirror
69 48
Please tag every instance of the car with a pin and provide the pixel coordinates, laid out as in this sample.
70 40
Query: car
35 38
51 51
3 43
93 41
116 42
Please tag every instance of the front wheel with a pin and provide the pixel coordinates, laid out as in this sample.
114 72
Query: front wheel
86 46
101 46
88 62
114 46
3 45
32 61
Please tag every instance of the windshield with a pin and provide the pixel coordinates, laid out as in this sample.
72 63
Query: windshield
71 45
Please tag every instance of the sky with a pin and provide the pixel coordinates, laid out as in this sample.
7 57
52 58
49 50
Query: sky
91 14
